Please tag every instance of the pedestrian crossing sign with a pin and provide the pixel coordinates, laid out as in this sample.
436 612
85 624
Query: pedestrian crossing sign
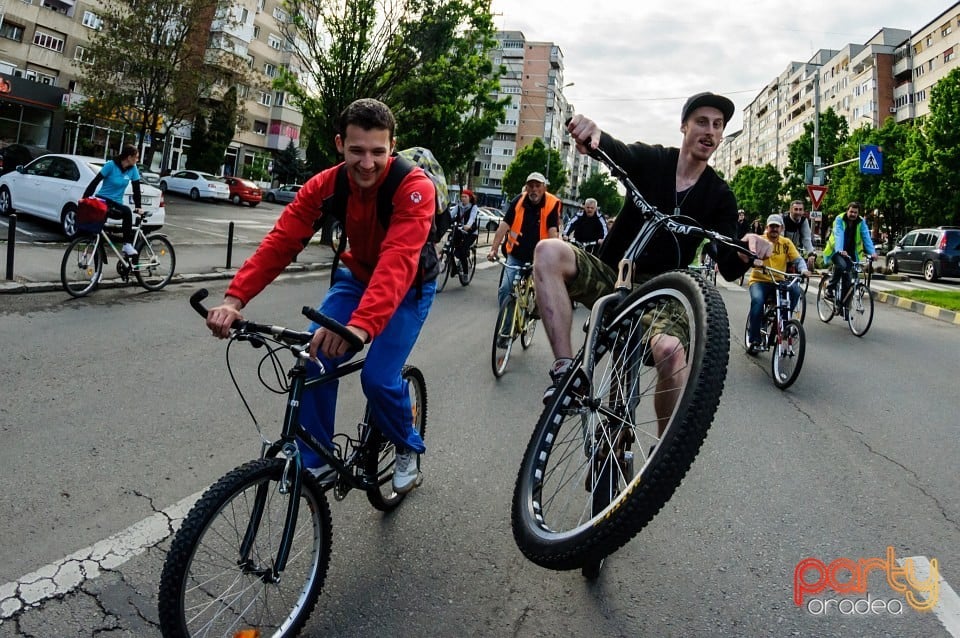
871 159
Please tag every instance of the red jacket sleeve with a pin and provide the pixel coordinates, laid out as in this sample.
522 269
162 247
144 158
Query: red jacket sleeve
285 240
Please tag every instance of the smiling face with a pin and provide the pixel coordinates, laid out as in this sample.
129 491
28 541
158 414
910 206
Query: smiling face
796 211
702 132
365 153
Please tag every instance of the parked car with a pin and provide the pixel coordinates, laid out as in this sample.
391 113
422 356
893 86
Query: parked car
151 178
932 252
489 218
196 184
50 186
243 191
283 194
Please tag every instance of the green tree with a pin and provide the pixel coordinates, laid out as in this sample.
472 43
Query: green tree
603 188
534 157
148 66
757 190
287 165
427 59
208 145
833 134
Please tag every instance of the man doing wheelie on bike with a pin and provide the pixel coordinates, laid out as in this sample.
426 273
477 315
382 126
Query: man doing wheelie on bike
761 284
674 180
381 293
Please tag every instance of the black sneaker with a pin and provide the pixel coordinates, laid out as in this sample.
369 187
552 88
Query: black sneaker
579 383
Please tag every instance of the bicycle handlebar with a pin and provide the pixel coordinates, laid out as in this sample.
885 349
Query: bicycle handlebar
281 333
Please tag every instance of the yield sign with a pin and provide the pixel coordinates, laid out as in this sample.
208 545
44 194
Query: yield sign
816 195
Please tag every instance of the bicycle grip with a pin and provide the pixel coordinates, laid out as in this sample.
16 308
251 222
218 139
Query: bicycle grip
196 300
353 341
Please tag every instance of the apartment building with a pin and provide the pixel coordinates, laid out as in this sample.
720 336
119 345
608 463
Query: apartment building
42 44
889 75
534 83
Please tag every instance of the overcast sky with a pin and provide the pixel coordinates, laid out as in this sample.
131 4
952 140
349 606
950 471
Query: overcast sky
634 62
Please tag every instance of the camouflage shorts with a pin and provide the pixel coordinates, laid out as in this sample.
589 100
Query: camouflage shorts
595 279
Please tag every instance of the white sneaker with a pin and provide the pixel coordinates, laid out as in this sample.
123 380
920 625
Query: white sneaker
324 474
129 250
406 474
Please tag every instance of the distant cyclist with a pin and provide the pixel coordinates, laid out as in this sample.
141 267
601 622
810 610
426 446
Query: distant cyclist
850 241
465 231
796 228
115 175
588 225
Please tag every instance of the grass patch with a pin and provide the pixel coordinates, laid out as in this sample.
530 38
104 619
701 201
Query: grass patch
941 299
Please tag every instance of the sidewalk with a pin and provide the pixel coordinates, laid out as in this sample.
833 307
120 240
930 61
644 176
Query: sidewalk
36 268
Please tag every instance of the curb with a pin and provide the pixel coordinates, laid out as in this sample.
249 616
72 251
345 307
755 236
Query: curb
934 312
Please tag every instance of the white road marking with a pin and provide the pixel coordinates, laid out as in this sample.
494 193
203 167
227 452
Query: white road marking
19 230
65 575
947 608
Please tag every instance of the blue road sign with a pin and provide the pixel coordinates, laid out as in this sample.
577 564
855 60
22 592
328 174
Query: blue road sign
871 159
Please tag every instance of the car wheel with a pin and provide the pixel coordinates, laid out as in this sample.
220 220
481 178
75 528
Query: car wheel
68 220
892 265
194 194
271 198
929 271
6 202
236 200
163 186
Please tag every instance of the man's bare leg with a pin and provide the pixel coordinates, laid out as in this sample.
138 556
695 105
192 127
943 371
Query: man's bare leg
670 359
554 264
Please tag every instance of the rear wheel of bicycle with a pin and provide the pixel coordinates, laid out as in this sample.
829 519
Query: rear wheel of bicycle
825 307
860 316
155 263
467 277
445 263
381 454
590 423
210 586
82 266
788 353
503 337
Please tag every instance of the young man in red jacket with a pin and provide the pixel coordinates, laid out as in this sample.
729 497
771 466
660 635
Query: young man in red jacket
380 292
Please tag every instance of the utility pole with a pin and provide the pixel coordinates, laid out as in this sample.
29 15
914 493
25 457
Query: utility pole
817 175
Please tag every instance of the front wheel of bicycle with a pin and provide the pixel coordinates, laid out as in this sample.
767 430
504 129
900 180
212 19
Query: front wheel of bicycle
825 308
381 454
82 266
860 316
219 579
598 418
503 337
445 264
155 263
788 351
800 312
467 277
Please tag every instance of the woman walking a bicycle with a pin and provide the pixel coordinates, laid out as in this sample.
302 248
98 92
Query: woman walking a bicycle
677 181
114 176
761 284
381 293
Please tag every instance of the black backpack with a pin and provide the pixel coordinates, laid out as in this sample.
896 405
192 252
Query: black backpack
336 206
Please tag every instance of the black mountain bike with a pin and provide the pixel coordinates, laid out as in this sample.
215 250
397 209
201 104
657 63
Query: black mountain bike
857 307
780 331
450 265
252 554
601 462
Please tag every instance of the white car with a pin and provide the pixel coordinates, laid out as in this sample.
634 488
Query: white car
50 186
196 184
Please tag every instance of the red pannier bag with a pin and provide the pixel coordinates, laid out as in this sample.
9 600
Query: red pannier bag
91 215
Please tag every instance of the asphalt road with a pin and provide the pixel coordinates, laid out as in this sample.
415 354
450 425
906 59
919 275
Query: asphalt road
119 406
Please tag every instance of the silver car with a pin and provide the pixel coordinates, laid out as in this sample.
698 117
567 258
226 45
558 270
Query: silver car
50 186
283 194
196 184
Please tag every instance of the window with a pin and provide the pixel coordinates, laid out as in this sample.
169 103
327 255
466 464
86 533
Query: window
929 40
278 98
279 14
244 14
260 4
274 42
243 91
263 98
260 128
11 31
47 41
256 32
949 55
91 20
250 61
270 70
80 54
947 28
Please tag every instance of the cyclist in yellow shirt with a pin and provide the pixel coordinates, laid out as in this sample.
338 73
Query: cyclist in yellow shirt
761 284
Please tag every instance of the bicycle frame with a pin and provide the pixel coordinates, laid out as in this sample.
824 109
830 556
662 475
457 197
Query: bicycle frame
138 237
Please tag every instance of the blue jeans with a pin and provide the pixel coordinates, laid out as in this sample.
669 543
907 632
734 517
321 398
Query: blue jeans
382 373
842 265
758 293
511 268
